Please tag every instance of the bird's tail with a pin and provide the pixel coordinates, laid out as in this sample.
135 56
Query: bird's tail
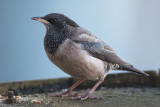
135 70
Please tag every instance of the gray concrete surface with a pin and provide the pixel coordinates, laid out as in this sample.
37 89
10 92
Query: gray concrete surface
112 97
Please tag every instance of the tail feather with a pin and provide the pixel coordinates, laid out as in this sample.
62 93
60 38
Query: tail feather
131 68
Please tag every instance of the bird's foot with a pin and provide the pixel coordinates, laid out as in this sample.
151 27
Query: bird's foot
87 96
64 94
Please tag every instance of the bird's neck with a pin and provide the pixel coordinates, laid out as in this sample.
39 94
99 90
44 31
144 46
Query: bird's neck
53 39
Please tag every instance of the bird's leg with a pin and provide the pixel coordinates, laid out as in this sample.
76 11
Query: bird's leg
88 95
68 92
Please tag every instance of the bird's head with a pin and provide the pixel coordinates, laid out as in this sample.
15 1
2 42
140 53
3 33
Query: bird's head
56 20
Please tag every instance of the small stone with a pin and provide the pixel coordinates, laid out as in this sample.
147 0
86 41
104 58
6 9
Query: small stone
2 97
10 94
18 98
36 102
10 98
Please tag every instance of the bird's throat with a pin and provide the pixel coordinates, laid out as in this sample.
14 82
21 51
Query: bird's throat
52 41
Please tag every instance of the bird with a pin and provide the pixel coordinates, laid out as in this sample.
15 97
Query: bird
79 53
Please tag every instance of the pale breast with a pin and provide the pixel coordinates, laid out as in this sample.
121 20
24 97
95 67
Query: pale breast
77 62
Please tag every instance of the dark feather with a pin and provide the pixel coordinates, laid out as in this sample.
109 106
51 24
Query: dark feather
131 68
97 49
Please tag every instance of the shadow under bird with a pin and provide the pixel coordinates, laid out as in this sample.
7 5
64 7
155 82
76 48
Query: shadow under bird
79 53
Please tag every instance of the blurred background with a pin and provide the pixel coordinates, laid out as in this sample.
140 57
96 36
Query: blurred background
130 27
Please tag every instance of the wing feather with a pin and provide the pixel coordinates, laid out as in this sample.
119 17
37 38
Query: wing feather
99 49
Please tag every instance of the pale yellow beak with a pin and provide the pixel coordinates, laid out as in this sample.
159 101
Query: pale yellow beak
40 20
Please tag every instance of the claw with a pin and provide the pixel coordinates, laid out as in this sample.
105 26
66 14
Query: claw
87 96
68 92
64 94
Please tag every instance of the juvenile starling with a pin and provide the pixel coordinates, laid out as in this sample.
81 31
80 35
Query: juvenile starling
79 53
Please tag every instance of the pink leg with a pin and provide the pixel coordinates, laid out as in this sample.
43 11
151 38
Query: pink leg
68 92
88 95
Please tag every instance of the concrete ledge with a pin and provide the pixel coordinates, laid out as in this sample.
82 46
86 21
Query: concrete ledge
50 85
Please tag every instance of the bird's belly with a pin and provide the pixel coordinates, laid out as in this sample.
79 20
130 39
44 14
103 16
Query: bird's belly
77 62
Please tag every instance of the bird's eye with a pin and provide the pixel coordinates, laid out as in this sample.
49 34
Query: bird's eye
54 21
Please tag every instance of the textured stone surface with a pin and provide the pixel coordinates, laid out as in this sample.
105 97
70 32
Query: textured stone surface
52 85
112 97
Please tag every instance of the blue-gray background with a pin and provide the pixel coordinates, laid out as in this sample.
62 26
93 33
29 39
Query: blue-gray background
131 27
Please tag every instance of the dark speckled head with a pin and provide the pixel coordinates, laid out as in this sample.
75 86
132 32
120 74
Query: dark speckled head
59 28
59 19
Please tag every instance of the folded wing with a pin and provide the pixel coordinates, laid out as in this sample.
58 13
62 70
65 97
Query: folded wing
101 50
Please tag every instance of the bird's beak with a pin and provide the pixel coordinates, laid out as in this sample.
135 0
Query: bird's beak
40 19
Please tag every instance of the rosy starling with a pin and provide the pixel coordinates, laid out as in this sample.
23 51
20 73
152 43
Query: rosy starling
79 53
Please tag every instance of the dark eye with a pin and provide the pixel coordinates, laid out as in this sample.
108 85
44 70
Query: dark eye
54 21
